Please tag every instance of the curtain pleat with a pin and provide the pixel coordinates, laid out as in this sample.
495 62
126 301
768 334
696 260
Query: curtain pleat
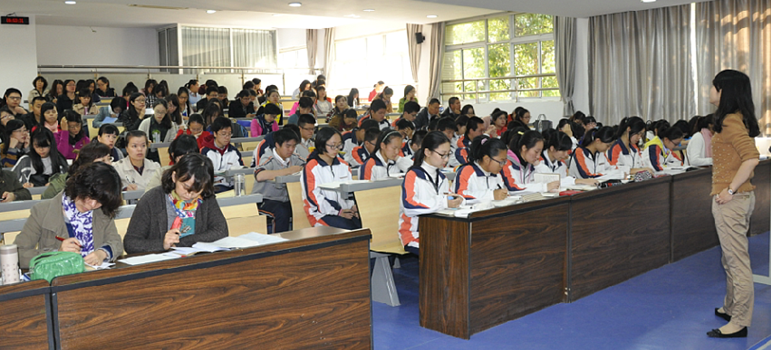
435 59
311 45
565 56
413 48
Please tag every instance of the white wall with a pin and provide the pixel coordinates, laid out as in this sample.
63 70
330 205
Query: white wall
19 60
290 37
57 45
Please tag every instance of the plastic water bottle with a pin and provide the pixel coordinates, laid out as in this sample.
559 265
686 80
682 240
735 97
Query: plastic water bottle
240 185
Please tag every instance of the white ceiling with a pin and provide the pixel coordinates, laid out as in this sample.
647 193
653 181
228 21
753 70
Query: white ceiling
313 13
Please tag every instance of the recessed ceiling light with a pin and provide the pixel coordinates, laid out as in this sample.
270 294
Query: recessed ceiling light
431 16
648 0
295 4
70 2
369 10
211 11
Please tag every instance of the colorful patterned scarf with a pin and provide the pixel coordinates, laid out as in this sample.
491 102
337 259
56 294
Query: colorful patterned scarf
186 212
81 223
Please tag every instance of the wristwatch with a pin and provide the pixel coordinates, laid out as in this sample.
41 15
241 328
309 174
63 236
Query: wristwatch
730 191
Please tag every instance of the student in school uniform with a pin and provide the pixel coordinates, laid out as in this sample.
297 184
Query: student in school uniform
266 123
180 212
359 154
625 152
307 125
82 214
699 149
282 161
382 161
474 128
355 138
480 180
525 147
425 189
242 106
411 146
566 126
136 170
324 207
377 112
222 153
405 127
410 111
178 148
659 152
588 160
557 147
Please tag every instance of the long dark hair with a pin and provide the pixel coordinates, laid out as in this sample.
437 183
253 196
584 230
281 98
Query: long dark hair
735 96
52 93
604 134
557 139
485 146
175 116
385 137
166 121
635 124
88 154
354 92
431 142
42 137
524 137
10 127
74 117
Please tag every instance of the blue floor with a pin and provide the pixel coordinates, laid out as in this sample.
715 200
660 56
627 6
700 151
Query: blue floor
667 308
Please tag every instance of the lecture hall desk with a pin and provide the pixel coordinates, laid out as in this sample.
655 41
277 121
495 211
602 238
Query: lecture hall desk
24 319
312 292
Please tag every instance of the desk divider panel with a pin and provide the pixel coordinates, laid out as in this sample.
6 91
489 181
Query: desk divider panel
24 316
693 227
618 233
761 216
300 294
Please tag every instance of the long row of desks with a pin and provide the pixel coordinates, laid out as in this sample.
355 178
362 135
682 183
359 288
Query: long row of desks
503 263
312 291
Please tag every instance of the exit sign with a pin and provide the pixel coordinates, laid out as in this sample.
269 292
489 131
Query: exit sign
14 20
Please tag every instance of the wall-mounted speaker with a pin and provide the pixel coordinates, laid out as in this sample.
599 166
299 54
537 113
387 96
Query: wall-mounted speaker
419 37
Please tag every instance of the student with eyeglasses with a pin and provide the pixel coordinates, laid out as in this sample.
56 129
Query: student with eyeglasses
381 163
480 180
523 156
324 207
307 124
222 153
425 189
355 138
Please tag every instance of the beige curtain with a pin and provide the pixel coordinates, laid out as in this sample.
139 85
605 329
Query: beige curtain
735 34
640 64
435 59
329 51
565 57
311 44
414 48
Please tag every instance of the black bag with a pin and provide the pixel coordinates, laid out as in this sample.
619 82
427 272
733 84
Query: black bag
542 124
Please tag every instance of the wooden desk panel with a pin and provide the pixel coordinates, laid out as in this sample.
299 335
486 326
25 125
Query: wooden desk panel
693 227
618 233
759 222
498 265
23 317
312 293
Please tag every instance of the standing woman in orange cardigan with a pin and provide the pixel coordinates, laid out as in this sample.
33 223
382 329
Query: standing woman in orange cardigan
734 157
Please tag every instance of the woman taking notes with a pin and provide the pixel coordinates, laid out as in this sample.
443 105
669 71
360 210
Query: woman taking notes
659 152
480 180
425 189
589 159
734 157
71 222
181 212
382 162
624 153
325 207
557 147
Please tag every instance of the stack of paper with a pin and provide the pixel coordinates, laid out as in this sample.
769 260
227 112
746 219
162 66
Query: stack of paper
144 259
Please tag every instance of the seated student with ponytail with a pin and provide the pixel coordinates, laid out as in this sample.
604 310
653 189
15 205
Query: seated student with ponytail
413 145
382 161
460 129
265 123
556 150
588 160
324 207
481 179
282 161
425 189
699 149
659 152
359 154
525 147
624 153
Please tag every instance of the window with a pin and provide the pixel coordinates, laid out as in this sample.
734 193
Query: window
361 62
228 47
502 46
295 57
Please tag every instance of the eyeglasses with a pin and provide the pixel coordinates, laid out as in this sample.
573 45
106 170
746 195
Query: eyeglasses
15 98
309 129
222 134
338 146
139 101
444 156
21 131
7 116
502 163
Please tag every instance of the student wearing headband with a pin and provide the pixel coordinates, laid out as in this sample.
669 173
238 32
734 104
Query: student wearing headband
382 161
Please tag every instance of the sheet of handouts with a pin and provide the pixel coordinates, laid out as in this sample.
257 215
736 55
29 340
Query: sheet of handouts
248 240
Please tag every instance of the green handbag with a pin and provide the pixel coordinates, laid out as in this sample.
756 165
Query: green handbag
49 265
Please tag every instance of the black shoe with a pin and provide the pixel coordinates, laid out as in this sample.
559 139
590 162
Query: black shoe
716 333
722 315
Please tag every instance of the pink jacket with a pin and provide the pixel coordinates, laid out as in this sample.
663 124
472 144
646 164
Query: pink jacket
63 144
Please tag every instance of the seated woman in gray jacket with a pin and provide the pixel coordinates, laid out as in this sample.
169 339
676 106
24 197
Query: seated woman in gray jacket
181 212
71 222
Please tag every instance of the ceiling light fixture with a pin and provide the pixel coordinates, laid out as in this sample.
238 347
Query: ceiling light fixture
211 11
369 10
70 2
295 4
646 1
352 16
431 16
